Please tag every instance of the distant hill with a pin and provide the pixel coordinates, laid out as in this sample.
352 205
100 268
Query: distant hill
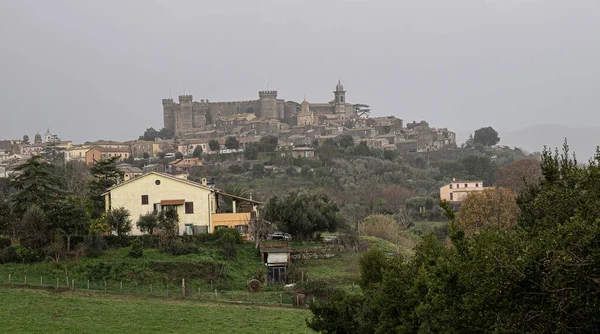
582 141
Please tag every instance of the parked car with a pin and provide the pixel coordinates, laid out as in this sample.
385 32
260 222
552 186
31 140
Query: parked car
330 239
280 236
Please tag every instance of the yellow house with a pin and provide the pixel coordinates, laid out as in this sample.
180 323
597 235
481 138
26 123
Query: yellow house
76 153
196 204
457 191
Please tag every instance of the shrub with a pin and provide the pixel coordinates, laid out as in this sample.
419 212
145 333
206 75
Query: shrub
181 248
319 288
95 244
4 242
228 235
9 254
137 250
27 254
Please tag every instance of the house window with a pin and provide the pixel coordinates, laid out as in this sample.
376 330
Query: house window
144 199
450 185
466 185
242 229
476 185
451 196
189 207
457 186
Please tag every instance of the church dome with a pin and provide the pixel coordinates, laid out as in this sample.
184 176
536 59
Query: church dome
339 87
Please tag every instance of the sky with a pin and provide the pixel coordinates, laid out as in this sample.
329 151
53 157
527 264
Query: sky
93 70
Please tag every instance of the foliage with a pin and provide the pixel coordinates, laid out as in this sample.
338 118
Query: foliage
384 227
518 174
197 152
491 208
119 221
540 277
37 184
337 315
214 145
105 174
362 110
33 228
38 138
147 223
168 223
232 143
6 216
251 152
99 225
486 136
178 155
302 213
68 216
26 139
151 134
226 202
95 245
137 249
268 144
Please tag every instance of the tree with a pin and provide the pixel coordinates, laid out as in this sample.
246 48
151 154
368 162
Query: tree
146 155
26 139
302 213
178 155
149 135
197 152
168 226
486 136
258 170
226 202
345 141
6 217
119 220
251 152
36 184
69 217
232 143
38 138
490 208
53 154
161 155
268 144
33 229
147 223
394 197
165 133
518 174
362 110
479 167
214 145
105 175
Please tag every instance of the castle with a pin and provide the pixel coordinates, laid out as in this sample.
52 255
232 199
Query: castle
190 116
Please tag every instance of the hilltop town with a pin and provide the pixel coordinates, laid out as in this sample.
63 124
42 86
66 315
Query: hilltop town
299 127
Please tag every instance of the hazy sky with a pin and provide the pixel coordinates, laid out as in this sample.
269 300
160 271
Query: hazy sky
99 69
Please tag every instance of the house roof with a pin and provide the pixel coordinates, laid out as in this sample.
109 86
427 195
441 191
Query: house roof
168 176
220 192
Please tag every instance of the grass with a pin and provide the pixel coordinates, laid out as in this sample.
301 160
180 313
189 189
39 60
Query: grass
116 266
39 311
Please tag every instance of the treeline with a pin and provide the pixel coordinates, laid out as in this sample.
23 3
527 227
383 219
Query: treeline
540 275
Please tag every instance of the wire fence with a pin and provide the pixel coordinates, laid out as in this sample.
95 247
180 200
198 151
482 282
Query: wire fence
182 290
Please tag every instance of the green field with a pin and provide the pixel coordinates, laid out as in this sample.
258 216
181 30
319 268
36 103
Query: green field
40 311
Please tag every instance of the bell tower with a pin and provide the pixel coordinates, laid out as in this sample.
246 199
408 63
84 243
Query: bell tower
340 100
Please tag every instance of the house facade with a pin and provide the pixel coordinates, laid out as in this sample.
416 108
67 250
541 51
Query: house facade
197 204
105 153
457 191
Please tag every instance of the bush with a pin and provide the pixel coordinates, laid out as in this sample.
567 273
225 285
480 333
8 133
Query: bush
27 254
95 244
137 250
318 288
9 254
5 242
181 248
228 235
115 241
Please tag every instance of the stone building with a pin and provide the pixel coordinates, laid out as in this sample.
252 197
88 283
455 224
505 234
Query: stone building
190 116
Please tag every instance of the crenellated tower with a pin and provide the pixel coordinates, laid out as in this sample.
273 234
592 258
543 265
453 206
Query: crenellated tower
183 118
169 114
268 104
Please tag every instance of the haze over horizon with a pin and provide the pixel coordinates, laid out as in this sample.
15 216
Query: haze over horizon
92 70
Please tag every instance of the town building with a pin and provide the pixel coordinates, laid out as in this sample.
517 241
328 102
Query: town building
104 153
197 204
457 191
129 171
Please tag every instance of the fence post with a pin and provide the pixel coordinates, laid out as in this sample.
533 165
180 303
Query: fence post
25 280
280 299
105 286
136 288
183 287
41 281
199 295
88 284
215 294
72 284
8 279
57 283
211 285
121 287
150 286
167 290
248 296
302 279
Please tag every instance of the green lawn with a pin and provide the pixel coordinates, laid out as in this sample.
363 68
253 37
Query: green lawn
39 311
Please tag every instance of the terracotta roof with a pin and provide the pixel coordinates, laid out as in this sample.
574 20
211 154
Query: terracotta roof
169 176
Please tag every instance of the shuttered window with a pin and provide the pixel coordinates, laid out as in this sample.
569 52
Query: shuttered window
189 207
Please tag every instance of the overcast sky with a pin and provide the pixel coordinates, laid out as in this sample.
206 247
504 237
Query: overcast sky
99 69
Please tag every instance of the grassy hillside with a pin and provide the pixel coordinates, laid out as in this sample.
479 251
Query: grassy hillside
38 311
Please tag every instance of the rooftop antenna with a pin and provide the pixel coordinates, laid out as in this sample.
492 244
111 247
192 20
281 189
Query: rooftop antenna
170 93
267 84
183 90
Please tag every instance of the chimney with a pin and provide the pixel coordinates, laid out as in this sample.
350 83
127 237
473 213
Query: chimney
204 181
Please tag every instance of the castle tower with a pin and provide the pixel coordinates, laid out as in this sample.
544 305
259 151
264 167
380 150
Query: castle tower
169 114
183 117
340 100
268 103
